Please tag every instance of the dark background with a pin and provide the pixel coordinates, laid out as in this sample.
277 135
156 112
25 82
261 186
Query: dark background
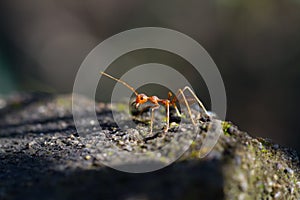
255 44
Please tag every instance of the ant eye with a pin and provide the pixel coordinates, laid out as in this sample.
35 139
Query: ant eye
142 97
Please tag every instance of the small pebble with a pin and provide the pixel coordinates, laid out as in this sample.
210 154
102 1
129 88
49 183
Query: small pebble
277 195
238 160
260 146
243 182
291 189
241 196
30 144
128 148
288 170
87 157
232 130
183 129
279 166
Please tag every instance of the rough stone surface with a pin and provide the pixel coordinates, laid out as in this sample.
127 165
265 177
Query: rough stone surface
43 157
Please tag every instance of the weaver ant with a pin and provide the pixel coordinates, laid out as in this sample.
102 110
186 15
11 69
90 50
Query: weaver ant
170 102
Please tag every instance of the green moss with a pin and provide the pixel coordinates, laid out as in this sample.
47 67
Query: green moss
226 126
121 107
263 150
62 101
194 154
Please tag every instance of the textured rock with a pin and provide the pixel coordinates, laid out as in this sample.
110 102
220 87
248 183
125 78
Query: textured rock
42 156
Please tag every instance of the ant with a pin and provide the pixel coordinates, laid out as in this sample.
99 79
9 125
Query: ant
156 101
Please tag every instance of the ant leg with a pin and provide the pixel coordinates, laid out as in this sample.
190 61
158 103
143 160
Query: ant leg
168 119
187 105
195 96
152 116
173 103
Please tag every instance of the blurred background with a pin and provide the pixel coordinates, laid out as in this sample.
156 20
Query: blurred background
255 44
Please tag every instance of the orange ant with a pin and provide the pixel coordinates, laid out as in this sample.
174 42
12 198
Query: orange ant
143 98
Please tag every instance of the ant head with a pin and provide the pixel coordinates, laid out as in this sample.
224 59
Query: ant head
140 99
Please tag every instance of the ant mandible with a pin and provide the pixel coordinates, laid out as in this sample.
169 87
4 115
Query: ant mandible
143 98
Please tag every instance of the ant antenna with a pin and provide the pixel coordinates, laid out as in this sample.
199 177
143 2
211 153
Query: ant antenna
119 80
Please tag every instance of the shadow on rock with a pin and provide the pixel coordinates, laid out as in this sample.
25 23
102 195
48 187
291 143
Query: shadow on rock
185 180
